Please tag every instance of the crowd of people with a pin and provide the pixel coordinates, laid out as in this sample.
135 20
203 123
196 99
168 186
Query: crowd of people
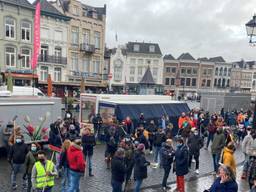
174 146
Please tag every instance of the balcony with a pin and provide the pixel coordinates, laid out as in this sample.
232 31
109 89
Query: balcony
88 48
52 59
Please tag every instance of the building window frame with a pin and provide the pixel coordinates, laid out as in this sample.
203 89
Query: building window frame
10 27
44 71
26 31
57 74
26 55
97 40
10 56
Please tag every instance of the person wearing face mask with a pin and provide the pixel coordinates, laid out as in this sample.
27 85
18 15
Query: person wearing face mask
246 144
72 134
43 173
218 144
195 143
181 164
16 158
182 119
30 160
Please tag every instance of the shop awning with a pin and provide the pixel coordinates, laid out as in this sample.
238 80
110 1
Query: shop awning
22 75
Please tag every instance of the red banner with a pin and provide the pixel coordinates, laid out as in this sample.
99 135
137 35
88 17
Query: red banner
36 36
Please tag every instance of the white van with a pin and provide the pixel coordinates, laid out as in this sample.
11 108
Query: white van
24 91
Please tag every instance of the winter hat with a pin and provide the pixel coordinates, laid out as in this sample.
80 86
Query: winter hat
141 147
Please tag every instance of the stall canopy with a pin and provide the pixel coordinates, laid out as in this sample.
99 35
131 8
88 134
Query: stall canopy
150 111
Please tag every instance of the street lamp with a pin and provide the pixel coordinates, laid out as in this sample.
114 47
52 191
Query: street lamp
251 32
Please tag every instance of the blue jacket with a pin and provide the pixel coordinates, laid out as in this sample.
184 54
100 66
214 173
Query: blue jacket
181 160
230 186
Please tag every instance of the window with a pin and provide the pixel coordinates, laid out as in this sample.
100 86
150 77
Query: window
182 81
194 71
118 65
151 48
172 81
25 62
131 79
188 71
203 82
139 70
132 61
76 10
57 74
221 71
86 37
188 80
215 82
228 83
74 61
58 36
167 81
86 65
155 71
97 40
10 28
43 73
229 72
44 53
75 35
183 71
219 82
10 56
136 47
140 61
132 70
216 71
208 84
225 71
194 82
209 72
25 31
223 82
173 70
57 54
168 69
204 71
96 65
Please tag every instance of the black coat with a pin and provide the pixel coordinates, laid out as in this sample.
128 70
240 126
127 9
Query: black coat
195 143
18 153
140 167
88 142
167 154
118 169
181 160
159 138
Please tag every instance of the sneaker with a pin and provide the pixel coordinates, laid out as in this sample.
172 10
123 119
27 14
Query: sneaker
193 160
164 188
14 187
150 152
91 175
197 171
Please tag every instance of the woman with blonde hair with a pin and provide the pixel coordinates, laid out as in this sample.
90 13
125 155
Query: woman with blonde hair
64 163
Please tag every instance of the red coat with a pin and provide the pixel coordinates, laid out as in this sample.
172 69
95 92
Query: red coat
75 159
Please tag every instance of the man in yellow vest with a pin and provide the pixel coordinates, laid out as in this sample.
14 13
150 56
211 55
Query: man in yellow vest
43 174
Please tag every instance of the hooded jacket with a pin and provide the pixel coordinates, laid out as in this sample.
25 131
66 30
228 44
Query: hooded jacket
228 159
75 158
140 167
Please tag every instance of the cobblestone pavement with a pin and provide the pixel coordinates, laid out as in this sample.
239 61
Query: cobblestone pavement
101 181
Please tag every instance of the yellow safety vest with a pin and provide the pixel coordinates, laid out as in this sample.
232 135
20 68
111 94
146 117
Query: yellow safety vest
41 179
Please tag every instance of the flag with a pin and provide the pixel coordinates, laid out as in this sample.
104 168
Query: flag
36 36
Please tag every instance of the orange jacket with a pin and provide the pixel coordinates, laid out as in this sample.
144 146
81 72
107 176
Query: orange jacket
181 121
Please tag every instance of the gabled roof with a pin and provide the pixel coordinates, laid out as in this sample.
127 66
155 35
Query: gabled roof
147 78
186 56
49 10
217 59
169 57
21 3
203 59
143 48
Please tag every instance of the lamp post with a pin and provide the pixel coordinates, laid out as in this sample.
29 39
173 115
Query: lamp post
251 32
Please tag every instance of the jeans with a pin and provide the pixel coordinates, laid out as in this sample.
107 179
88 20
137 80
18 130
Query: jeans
64 180
74 180
89 158
210 138
157 154
16 168
116 186
138 184
166 175
216 159
196 157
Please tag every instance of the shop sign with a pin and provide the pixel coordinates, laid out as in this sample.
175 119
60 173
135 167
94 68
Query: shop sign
22 71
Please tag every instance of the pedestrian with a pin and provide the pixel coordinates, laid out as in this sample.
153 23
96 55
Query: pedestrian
129 127
253 189
217 146
43 173
88 143
118 170
182 119
16 158
167 154
225 181
152 129
72 133
228 158
251 168
76 164
159 139
142 136
211 131
111 145
246 144
97 124
181 164
64 165
140 167
30 160
195 143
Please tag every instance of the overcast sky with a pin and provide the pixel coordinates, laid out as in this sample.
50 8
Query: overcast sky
202 27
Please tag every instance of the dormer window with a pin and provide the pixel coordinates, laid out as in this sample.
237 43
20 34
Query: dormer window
151 48
136 48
